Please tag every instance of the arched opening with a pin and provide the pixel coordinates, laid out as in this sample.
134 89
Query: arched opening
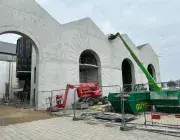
19 81
128 75
152 71
89 67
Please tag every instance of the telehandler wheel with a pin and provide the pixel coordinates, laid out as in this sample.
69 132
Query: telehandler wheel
105 100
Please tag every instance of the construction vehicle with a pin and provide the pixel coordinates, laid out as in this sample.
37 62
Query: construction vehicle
141 66
138 100
87 92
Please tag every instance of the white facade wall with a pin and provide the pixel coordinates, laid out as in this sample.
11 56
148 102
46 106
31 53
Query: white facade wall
58 48
148 56
4 76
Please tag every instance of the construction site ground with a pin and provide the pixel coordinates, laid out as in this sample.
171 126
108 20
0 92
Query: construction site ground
27 124
13 115
64 128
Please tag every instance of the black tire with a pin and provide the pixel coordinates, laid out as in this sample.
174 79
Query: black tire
105 100
90 102
82 100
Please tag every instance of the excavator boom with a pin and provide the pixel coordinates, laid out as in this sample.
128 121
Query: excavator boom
142 67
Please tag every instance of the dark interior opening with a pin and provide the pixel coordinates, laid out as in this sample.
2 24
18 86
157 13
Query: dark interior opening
126 75
150 70
88 58
88 67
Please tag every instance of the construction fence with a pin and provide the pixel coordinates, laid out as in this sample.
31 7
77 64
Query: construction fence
162 116
51 101
153 117
162 119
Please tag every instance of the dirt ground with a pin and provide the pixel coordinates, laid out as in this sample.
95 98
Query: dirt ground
12 115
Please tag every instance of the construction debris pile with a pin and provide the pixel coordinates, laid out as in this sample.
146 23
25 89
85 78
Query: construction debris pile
98 114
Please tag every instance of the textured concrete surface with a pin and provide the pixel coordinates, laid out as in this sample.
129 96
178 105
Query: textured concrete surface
65 128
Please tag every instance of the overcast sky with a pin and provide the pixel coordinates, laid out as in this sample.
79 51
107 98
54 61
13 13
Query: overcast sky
153 21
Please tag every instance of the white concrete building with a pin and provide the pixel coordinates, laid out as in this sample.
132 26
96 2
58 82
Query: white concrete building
62 50
7 67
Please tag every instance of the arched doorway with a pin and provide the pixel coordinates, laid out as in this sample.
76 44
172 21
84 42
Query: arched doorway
89 67
128 75
25 42
152 71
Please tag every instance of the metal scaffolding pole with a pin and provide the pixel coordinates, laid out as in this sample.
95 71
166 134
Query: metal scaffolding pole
9 79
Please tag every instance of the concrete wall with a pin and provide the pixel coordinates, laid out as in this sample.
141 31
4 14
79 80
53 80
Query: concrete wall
4 76
119 53
111 57
28 18
58 47
13 80
148 56
74 45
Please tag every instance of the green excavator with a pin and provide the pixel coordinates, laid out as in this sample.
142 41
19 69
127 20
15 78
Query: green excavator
139 101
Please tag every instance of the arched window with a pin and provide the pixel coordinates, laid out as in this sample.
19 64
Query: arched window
89 67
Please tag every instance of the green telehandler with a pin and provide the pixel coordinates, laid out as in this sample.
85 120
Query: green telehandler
138 101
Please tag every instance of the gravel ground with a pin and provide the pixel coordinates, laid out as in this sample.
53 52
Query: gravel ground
12 115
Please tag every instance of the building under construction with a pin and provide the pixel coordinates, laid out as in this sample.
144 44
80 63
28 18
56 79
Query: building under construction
51 55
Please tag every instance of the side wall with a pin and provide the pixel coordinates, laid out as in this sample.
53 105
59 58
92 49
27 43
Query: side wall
75 41
111 55
119 53
148 56
4 76
28 18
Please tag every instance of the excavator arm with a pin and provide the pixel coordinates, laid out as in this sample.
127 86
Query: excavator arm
142 67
